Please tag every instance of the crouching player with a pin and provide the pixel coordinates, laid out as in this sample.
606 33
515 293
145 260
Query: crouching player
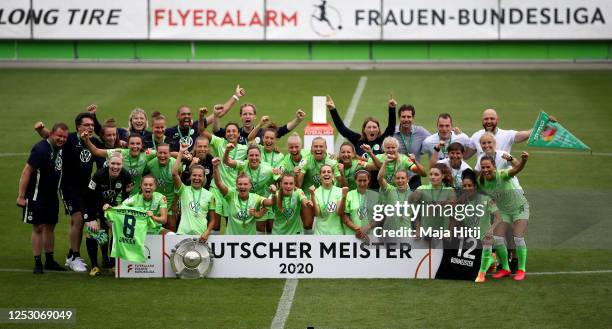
153 203
469 196
197 204
108 187
514 210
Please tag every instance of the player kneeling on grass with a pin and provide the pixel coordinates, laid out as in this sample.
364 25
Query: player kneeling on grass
153 203
197 204
514 210
108 187
244 208
290 200
328 201
470 196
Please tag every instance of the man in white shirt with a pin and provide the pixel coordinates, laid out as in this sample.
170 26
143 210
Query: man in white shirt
504 138
448 136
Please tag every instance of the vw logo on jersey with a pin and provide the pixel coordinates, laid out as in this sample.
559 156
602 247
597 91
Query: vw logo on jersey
58 164
288 212
206 171
257 140
109 194
194 206
331 206
161 183
389 177
85 156
105 164
242 215
118 185
133 172
317 179
187 140
362 212
376 147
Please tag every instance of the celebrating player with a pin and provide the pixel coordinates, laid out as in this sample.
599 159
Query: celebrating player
329 202
399 193
370 129
470 196
395 161
349 164
359 204
151 202
161 169
504 138
438 192
288 209
108 187
158 121
261 176
514 210
244 208
197 204
38 187
257 134
137 124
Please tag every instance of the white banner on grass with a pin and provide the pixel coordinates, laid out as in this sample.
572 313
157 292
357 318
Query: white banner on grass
90 19
208 19
299 256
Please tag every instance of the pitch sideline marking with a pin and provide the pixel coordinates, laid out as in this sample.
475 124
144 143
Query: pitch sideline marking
352 108
284 304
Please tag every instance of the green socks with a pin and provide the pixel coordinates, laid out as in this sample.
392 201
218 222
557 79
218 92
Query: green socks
487 259
521 252
502 251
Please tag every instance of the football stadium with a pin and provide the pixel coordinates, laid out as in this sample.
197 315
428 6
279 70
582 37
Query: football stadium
307 164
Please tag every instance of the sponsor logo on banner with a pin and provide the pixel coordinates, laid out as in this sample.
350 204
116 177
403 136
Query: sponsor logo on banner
325 20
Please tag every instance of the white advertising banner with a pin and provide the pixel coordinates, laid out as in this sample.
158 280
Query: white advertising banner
305 256
556 19
435 20
316 20
323 20
90 19
209 19
14 21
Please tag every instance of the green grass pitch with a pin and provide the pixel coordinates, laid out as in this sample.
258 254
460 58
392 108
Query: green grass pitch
570 198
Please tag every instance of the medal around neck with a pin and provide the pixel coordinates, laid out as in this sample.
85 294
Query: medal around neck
191 259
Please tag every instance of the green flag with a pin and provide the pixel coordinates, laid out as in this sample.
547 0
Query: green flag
547 133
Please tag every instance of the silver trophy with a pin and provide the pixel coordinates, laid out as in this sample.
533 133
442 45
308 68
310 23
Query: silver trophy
191 259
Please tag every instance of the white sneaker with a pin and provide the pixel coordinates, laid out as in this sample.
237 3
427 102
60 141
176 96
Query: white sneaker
78 265
68 261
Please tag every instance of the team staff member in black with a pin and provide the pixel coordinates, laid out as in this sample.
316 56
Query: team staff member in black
186 131
108 187
78 162
38 187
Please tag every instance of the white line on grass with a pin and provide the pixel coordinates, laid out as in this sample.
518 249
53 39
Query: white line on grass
352 108
13 154
284 305
30 271
570 272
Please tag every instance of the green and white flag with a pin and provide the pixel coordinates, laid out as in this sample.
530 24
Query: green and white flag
547 133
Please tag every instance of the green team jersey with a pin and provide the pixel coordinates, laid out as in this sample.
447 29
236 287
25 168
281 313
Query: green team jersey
135 166
239 222
130 227
434 216
288 221
508 198
195 204
328 222
217 149
274 159
402 163
391 196
288 164
349 173
359 208
163 177
312 171
157 202
484 221
261 178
